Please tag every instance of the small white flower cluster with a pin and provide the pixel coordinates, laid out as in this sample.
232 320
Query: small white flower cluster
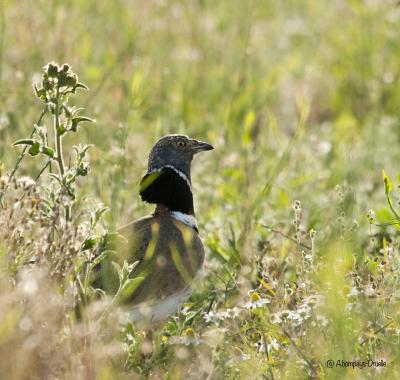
257 302
184 340
295 317
302 313
216 317
272 344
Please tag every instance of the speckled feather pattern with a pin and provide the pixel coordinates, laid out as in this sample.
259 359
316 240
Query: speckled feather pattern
169 252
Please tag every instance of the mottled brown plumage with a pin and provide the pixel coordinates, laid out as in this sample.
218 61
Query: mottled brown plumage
169 252
166 244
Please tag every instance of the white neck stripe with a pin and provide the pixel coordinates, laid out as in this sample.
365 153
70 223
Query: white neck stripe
181 174
187 219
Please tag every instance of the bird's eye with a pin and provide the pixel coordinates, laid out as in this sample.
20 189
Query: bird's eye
180 144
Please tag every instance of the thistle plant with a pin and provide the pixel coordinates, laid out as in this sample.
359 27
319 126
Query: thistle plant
66 241
57 85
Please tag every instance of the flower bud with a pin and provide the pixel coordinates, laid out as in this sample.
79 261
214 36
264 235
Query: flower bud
72 80
46 83
83 169
62 79
52 69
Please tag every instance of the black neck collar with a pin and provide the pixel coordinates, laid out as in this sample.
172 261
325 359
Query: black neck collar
168 187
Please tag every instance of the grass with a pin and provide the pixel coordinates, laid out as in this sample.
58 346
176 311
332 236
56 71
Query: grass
301 100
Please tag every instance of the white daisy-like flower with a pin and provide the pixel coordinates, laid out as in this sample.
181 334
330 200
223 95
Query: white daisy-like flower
211 316
323 321
256 301
369 291
273 344
231 313
353 292
276 318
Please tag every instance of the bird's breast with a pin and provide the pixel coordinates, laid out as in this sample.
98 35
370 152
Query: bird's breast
169 255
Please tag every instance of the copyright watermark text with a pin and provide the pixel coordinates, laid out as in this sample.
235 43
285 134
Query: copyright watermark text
356 363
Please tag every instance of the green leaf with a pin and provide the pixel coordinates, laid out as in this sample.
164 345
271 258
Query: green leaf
72 111
47 151
98 214
101 257
383 215
40 92
80 119
118 269
74 126
67 110
25 142
55 176
75 110
88 243
387 182
372 267
61 129
81 150
388 189
81 85
129 287
111 240
34 149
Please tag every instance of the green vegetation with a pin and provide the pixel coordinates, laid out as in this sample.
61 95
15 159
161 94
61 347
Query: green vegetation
301 100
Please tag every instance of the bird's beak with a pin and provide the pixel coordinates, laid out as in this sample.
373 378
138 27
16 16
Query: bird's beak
200 146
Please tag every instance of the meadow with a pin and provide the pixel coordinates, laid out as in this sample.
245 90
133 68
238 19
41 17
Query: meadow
298 205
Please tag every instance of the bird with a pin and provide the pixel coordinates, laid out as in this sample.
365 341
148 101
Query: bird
165 245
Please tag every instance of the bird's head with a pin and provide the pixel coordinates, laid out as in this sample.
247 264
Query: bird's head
176 151
167 181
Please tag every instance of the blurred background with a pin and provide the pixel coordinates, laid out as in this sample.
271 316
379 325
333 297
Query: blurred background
235 73
300 99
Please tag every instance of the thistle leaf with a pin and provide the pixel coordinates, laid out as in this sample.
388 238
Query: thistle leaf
47 151
81 85
24 142
34 150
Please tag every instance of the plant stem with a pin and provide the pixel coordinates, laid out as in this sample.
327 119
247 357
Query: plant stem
299 351
48 163
267 355
59 154
285 236
375 332
390 202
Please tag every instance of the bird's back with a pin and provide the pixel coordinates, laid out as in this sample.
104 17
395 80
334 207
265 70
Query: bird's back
169 254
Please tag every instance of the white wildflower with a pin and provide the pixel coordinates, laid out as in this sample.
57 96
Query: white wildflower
369 291
353 292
